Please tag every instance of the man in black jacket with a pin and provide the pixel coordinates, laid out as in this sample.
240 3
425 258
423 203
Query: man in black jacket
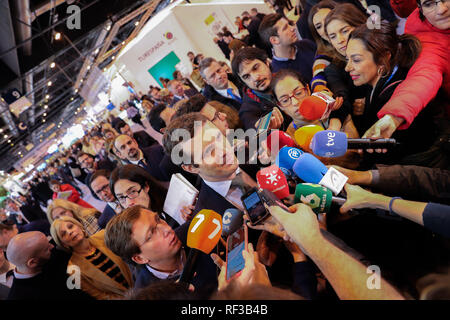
141 137
88 163
221 86
41 270
253 68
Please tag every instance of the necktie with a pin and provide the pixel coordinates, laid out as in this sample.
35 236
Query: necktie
10 273
232 95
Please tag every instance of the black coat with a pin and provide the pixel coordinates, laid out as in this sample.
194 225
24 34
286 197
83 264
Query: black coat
107 214
143 139
211 94
224 48
50 284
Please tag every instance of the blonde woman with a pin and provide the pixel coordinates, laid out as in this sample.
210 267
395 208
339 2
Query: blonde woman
86 216
104 276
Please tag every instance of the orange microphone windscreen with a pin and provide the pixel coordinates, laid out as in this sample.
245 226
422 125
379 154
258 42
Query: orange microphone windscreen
205 231
312 108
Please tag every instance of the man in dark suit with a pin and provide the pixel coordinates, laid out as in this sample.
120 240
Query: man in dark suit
141 137
221 86
159 256
255 14
252 25
41 271
222 45
99 185
179 93
88 162
29 208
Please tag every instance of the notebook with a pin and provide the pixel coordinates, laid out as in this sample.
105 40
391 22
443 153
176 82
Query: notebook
181 193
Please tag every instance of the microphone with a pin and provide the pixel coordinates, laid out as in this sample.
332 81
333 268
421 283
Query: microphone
316 196
278 139
329 143
317 106
274 180
286 159
232 220
304 135
312 170
203 235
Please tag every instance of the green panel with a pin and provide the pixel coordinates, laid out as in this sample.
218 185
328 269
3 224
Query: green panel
164 67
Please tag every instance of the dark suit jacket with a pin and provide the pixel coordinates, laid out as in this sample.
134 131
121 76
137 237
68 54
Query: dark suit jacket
107 214
225 49
41 225
211 94
204 281
50 284
32 211
143 139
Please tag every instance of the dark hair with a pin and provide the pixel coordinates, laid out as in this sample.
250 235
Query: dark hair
205 64
186 122
157 192
118 234
267 27
421 16
282 74
175 73
53 182
254 9
190 52
193 104
323 46
155 119
81 153
99 173
387 48
7 224
348 13
228 34
247 54
245 13
245 19
197 57
233 120
120 125
162 290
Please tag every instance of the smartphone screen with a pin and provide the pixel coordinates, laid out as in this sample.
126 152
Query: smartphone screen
264 123
235 259
255 208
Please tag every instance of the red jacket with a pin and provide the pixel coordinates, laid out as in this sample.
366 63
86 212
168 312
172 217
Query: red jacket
74 197
430 72
403 8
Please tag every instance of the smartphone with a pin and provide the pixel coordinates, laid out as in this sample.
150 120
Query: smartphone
254 206
264 123
236 243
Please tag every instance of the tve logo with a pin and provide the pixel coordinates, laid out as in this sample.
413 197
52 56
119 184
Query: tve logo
330 141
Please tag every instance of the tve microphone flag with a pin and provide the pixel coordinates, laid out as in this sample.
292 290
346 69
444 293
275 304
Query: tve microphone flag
286 159
329 143
203 235
273 179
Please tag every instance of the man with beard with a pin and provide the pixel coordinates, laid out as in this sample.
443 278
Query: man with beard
150 158
89 164
252 66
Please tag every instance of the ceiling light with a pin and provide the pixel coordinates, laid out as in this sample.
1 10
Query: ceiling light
52 65
5 136
46 106
76 112
88 67
71 99
113 57
81 81
12 144
9 141
97 50
49 83
76 90
58 36
47 96
45 114
108 28
1 130
136 23
123 43
43 120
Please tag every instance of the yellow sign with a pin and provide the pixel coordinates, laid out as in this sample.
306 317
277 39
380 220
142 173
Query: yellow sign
209 20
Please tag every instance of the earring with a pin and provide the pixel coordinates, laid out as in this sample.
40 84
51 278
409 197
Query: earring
380 72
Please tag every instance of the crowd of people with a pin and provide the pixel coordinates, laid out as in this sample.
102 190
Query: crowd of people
395 215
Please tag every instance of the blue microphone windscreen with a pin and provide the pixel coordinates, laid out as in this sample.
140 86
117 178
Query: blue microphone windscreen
286 159
309 168
232 220
329 143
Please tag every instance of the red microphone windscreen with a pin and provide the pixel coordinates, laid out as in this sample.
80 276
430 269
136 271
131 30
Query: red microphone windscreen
312 108
205 231
280 137
273 179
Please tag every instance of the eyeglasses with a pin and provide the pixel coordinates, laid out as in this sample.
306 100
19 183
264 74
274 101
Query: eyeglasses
132 194
298 94
430 6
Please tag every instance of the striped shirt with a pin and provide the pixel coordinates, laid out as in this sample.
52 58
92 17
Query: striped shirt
107 266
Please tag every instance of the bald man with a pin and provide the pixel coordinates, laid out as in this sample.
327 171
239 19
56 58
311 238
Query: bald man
40 272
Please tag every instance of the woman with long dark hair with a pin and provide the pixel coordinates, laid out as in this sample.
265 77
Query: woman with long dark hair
381 59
